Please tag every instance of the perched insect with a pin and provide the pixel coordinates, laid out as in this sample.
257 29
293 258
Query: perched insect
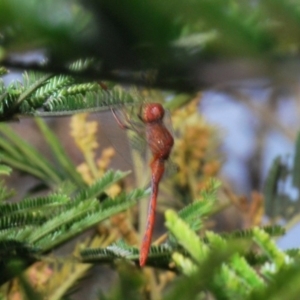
160 142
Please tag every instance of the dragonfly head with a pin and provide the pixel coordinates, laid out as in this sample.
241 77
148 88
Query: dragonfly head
152 112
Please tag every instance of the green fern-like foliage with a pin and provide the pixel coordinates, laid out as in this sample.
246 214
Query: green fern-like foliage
36 225
237 265
18 154
213 265
53 95
234 278
5 193
158 255
193 217
45 223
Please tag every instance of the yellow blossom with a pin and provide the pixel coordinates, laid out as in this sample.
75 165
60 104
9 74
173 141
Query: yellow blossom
195 150
113 190
84 132
85 172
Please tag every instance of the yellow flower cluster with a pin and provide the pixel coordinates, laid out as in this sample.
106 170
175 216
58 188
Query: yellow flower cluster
84 171
84 133
195 149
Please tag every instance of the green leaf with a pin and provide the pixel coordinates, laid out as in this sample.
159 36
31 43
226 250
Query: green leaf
269 247
28 155
184 264
159 256
37 204
247 273
83 217
31 88
65 219
274 230
18 219
216 241
232 285
19 234
188 287
285 284
59 153
186 237
50 88
23 166
98 187
5 193
194 213
5 170
10 248
88 98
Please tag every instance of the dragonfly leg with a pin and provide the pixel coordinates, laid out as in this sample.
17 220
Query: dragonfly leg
139 114
120 123
133 126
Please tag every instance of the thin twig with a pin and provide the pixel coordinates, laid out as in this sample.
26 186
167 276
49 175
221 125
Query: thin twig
263 112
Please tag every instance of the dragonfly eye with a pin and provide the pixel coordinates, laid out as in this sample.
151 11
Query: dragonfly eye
153 112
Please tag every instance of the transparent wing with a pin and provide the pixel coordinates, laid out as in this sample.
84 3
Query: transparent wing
130 143
171 166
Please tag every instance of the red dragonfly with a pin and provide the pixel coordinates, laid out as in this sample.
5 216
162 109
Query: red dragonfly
160 142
